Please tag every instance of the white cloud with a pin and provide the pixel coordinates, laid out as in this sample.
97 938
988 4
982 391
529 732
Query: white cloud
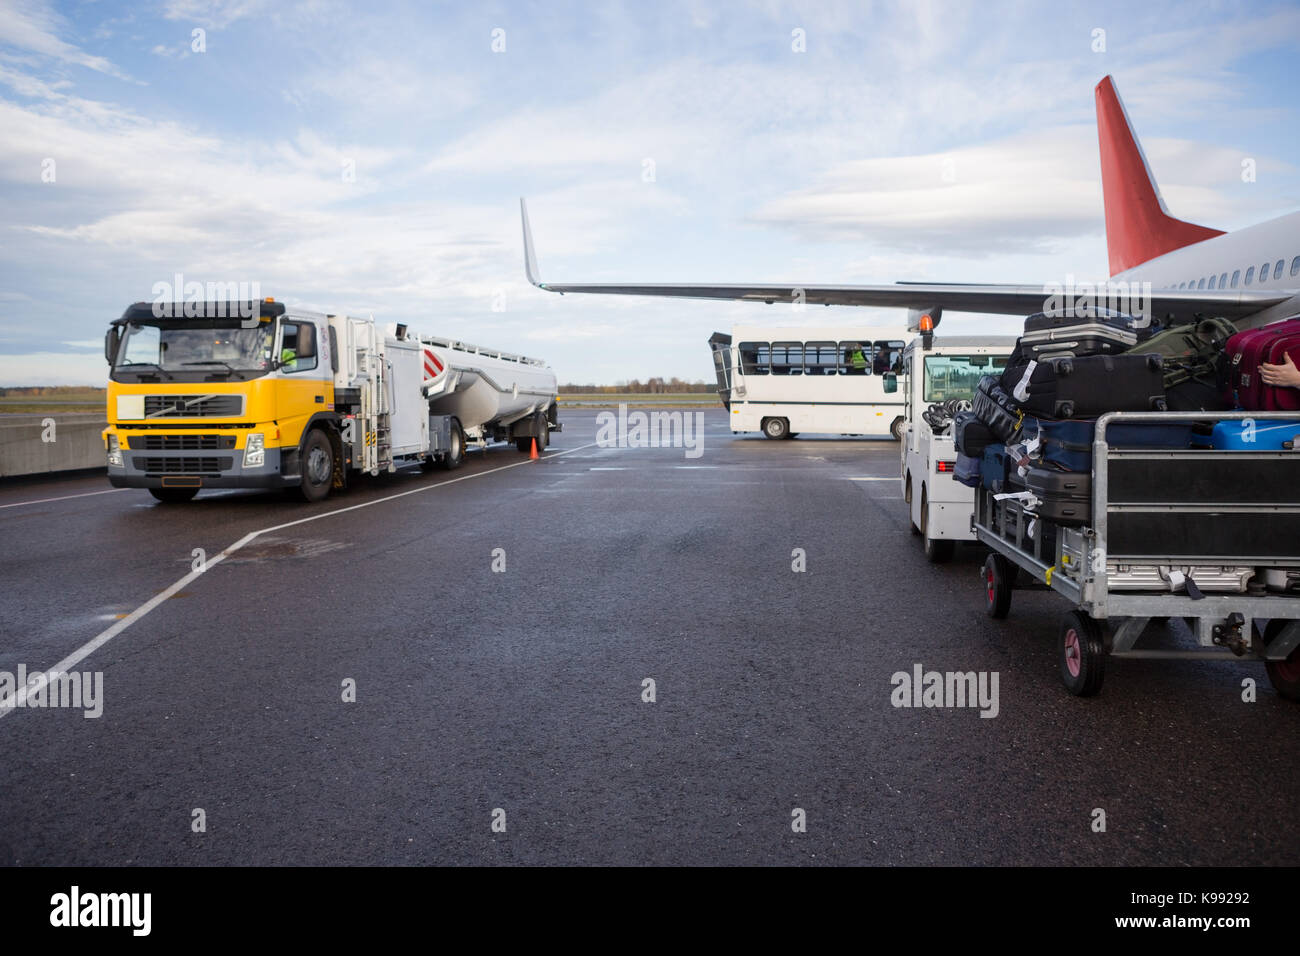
33 25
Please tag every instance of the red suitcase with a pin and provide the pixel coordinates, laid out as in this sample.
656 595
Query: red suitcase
1246 350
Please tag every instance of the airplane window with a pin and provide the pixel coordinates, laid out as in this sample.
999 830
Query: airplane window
1295 265
1250 275
1263 272
1201 284
1235 276
1277 269
1223 281
1211 285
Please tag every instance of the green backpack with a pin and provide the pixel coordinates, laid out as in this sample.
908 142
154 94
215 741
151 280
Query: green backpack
1191 352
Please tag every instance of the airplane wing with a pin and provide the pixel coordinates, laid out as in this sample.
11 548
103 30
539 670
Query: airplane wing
1169 305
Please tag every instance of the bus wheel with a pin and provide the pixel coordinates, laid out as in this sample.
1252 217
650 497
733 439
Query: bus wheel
998 575
317 467
1083 654
776 428
896 429
937 550
173 496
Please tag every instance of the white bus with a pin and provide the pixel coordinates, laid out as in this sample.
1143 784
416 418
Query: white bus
829 379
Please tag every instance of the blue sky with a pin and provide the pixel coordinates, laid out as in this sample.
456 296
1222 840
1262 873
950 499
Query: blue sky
940 141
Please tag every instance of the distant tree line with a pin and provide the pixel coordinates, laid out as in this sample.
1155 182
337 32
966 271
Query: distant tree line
651 386
50 391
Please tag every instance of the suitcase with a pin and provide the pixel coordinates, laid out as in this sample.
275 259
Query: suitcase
1255 436
993 468
1092 385
1082 332
1065 497
970 435
1246 350
994 407
968 470
1195 395
1068 443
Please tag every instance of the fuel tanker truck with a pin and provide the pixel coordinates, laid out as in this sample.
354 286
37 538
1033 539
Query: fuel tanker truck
256 395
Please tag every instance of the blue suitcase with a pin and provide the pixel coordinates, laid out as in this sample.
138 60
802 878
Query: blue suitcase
993 468
1068 443
1252 435
968 470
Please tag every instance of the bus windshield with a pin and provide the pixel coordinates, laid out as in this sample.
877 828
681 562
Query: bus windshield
955 376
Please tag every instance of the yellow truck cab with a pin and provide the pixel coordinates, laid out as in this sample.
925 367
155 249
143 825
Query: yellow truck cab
221 395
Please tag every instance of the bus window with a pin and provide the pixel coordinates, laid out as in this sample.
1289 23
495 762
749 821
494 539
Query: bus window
787 358
886 357
819 358
753 358
855 358
955 376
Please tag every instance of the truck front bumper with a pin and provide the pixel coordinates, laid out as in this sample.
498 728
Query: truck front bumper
193 469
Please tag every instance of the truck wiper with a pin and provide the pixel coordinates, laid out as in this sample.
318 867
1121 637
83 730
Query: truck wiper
229 368
161 370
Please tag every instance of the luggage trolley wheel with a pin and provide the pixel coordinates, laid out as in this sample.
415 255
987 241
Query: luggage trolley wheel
998 574
1082 652
1283 675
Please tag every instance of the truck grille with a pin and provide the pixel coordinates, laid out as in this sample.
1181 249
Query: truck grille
195 465
193 406
182 442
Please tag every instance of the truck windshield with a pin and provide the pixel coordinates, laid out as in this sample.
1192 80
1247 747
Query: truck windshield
955 376
174 347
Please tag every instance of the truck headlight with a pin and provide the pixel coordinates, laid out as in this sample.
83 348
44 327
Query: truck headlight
114 452
254 451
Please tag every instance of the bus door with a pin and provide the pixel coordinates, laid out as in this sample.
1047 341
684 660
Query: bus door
720 344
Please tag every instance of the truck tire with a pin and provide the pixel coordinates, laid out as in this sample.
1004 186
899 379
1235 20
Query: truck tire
776 428
1283 675
937 550
456 452
998 575
896 429
543 432
1082 654
173 496
317 467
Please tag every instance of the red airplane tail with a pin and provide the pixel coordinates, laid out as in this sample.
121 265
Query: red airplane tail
1138 227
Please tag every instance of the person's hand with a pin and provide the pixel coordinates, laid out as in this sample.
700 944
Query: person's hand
1284 374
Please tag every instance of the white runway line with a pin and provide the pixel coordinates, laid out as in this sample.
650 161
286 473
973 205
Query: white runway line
41 501
889 478
80 654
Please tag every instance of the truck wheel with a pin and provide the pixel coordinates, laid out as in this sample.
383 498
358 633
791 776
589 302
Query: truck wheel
173 496
1283 675
456 450
317 467
1082 654
776 428
998 575
937 550
896 429
907 499
543 432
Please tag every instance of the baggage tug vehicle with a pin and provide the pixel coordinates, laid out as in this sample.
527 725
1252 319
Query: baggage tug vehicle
257 395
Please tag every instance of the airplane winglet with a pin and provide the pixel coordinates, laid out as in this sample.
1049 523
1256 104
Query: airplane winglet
530 257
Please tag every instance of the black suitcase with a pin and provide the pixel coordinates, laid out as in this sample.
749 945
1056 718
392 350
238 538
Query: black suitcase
1093 385
971 435
994 408
1079 333
1065 497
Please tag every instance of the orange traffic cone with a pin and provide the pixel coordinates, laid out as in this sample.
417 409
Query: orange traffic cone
533 454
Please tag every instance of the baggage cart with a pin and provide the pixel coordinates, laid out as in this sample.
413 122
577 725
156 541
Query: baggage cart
1211 536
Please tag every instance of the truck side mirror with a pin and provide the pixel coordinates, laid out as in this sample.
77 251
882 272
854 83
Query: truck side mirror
890 383
111 340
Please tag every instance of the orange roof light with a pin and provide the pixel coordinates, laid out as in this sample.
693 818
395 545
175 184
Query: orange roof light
926 324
